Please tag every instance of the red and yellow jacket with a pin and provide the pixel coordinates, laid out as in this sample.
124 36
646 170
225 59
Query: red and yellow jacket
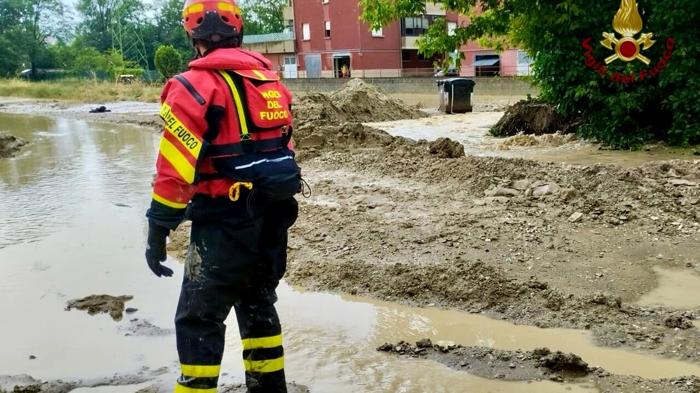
206 112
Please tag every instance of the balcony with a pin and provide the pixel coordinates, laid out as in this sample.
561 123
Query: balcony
270 43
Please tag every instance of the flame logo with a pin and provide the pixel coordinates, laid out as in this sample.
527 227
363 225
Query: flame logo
628 22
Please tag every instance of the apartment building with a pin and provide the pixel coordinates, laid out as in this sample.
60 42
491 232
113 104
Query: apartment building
327 39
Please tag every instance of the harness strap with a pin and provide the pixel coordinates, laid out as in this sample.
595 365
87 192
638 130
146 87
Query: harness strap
246 147
239 104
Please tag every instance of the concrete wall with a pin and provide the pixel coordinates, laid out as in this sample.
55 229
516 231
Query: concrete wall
484 86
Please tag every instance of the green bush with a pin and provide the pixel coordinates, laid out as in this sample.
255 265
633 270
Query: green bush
168 61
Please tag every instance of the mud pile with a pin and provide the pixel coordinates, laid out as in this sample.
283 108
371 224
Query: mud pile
332 121
10 145
96 304
446 148
531 117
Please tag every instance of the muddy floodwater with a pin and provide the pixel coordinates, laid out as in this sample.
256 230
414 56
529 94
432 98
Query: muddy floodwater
73 225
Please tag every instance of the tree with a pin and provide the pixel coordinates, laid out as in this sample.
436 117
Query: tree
25 27
101 18
168 61
556 35
263 16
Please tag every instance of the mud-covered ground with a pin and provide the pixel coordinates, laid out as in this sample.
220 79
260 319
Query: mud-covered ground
537 243
538 364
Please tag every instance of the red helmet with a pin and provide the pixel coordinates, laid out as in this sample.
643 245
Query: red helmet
213 20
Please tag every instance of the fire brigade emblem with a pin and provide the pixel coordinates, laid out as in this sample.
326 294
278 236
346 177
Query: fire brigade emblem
628 23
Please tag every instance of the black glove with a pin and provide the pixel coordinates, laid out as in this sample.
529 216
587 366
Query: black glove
155 250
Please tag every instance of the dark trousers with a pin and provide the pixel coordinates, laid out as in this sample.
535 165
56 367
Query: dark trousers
237 256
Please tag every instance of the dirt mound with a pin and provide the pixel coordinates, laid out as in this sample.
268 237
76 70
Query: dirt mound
96 304
333 121
10 145
362 102
446 148
530 117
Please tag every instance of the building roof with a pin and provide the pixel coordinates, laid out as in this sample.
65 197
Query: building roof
272 37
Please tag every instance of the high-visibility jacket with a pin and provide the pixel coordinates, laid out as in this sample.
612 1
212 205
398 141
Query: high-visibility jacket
227 114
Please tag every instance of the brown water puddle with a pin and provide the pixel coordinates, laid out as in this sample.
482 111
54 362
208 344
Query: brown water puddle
471 129
75 201
678 289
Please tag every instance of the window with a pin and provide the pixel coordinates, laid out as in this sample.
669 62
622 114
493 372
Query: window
305 32
328 29
416 26
378 32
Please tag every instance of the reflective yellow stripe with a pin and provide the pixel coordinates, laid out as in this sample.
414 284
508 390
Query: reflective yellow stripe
264 366
174 205
184 389
189 370
262 342
174 126
228 7
238 102
199 7
260 75
178 161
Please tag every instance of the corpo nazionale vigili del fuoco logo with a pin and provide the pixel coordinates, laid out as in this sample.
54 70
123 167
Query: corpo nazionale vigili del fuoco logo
627 47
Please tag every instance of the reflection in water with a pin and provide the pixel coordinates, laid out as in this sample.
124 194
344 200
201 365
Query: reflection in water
68 163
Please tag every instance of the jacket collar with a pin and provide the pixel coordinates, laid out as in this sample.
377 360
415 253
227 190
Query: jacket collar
232 59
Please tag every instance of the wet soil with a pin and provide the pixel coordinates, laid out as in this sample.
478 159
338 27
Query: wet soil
10 145
538 364
101 304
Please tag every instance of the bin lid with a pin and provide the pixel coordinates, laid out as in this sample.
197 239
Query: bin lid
457 81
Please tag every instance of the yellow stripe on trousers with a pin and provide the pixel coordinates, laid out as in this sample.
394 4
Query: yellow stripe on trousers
184 389
264 366
262 342
199 371
177 160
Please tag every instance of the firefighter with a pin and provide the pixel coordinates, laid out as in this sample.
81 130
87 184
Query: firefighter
226 163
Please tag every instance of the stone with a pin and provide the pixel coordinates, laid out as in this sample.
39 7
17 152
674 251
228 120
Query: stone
547 189
576 217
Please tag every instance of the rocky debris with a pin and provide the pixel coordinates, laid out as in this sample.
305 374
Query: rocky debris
96 304
446 148
531 117
681 320
560 362
10 145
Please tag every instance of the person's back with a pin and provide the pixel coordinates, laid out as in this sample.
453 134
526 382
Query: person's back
225 160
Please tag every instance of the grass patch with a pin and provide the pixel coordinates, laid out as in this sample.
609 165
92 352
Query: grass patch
81 90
